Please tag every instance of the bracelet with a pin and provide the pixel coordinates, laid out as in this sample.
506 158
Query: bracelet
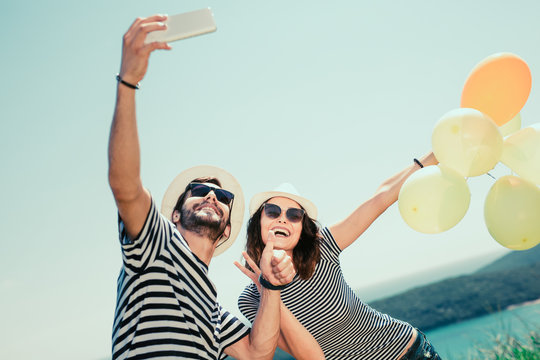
267 284
120 80
418 162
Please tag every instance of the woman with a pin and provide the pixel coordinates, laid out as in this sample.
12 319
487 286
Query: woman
319 305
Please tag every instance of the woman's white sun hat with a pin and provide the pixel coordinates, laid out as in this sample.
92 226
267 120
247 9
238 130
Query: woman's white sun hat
228 182
283 190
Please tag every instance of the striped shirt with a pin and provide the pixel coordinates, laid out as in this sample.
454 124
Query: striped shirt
166 305
344 326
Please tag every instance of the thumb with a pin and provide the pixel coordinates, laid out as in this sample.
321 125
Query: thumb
269 248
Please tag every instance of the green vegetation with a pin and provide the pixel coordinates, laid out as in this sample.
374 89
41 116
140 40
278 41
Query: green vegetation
509 348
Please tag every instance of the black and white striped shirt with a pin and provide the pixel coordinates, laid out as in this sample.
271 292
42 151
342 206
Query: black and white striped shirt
166 305
344 326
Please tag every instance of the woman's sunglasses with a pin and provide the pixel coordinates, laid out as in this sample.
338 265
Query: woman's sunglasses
273 211
201 190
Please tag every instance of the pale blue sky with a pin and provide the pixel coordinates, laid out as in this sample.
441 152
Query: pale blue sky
333 97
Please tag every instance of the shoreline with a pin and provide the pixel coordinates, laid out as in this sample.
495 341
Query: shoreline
509 307
526 303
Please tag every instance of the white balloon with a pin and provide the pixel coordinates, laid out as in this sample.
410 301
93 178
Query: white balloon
512 213
521 153
512 126
434 199
467 141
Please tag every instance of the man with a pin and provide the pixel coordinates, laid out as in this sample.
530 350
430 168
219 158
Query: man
166 304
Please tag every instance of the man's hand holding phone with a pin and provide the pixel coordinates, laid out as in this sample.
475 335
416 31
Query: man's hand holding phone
154 32
135 52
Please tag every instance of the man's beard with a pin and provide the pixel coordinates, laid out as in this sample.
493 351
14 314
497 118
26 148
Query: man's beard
203 225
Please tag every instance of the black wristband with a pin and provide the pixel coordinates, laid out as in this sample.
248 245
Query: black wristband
418 162
120 80
267 284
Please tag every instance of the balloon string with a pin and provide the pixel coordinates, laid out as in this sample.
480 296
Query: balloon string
493 177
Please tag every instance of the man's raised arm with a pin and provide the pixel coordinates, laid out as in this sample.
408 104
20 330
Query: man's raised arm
132 199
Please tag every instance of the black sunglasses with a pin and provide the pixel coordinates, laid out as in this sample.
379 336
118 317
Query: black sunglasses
201 190
293 214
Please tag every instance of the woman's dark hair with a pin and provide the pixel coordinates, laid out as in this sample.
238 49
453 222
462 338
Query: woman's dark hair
306 253
182 197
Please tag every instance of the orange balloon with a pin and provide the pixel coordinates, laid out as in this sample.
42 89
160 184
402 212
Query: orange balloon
498 86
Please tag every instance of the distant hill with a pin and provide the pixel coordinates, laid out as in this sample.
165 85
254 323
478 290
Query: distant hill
513 260
401 284
512 279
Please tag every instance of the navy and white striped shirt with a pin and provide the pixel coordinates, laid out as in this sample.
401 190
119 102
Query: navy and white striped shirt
166 304
344 326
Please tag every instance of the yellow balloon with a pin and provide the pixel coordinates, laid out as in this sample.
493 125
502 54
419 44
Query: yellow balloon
512 213
467 141
434 199
521 153
511 127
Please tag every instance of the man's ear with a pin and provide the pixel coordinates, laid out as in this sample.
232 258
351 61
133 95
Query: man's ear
226 232
175 216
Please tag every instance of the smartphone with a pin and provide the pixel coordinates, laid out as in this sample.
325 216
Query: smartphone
185 25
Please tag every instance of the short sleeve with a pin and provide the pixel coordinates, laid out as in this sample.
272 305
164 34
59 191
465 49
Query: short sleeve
138 253
248 302
232 330
329 248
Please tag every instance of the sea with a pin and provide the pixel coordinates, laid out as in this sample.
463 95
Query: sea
462 341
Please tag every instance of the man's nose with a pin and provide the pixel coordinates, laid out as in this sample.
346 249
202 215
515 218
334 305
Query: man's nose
211 196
